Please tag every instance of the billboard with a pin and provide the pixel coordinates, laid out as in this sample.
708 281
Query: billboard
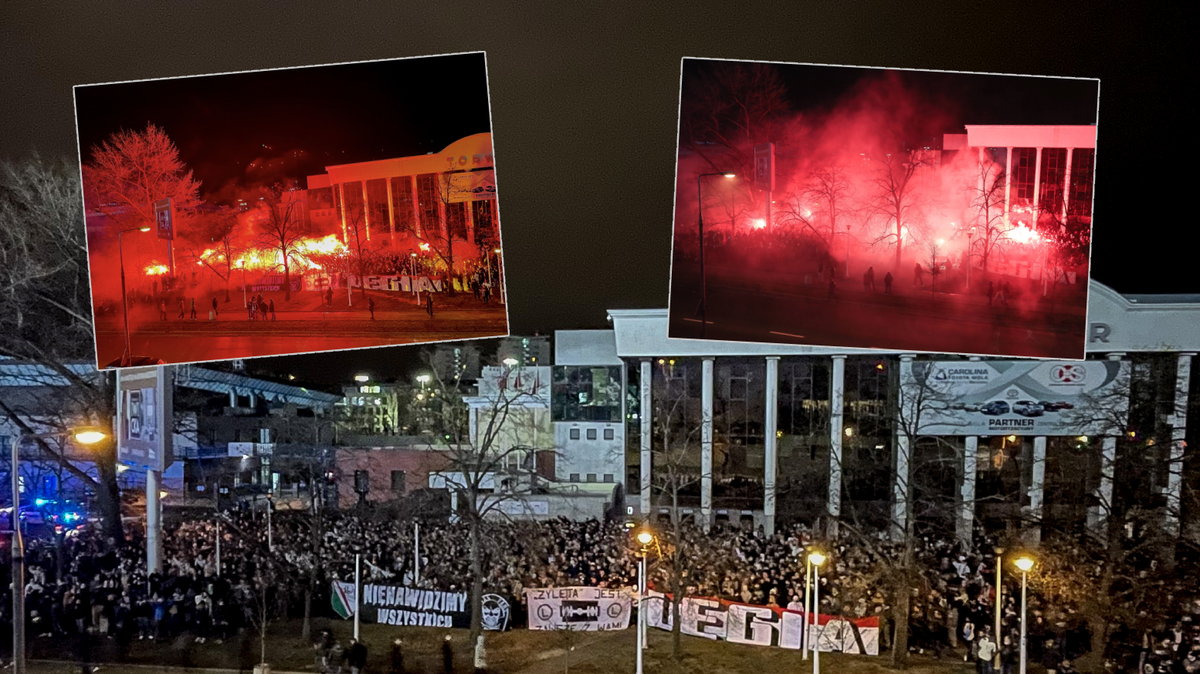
1022 397
144 414
472 185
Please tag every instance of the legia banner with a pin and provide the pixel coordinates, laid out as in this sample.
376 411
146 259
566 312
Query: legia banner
401 605
763 625
586 609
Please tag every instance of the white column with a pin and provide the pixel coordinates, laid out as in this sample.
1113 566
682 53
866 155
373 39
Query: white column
391 207
233 398
706 444
1037 186
469 219
1008 171
366 211
1174 491
1037 489
1099 513
1067 184
837 394
153 522
341 188
900 480
645 415
966 492
770 443
416 205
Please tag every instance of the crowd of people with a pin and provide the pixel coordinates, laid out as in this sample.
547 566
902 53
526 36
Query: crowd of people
210 590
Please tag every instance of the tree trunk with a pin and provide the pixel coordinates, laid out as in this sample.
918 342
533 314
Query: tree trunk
287 283
476 581
108 494
900 614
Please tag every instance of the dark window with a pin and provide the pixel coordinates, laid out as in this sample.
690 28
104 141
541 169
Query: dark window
574 433
591 477
609 434
398 478
591 434
608 477
574 477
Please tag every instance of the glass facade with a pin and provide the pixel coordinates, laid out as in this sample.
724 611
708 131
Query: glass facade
586 394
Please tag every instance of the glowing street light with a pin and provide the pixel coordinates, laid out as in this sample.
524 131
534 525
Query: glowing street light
728 175
85 435
127 354
362 378
644 538
812 576
1024 563
510 361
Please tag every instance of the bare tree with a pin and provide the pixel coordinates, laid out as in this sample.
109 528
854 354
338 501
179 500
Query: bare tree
131 170
894 196
728 108
45 320
489 458
213 232
283 227
987 198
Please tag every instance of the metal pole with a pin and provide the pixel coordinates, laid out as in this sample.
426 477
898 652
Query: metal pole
999 597
703 283
816 618
1024 576
357 590
218 548
153 522
641 635
807 604
644 624
124 299
417 554
18 563
270 533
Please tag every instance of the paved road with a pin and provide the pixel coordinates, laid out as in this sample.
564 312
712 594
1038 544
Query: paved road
910 318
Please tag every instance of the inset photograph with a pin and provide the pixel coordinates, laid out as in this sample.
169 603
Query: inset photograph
290 211
883 208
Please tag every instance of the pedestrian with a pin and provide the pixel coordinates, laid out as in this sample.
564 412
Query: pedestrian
447 656
250 308
356 656
480 655
329 297
162 310
271 308
486 291
918 276
887 283
193 313
968 634
991 292
371 306
429 304
832 287
985 650
869 279
214 308
396 661
181 308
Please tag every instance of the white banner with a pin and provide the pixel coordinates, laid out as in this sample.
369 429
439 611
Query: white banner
763 625
1005 397
587 609
472 186
398 283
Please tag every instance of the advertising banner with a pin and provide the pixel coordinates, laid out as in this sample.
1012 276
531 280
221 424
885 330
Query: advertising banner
1021 397
586 609
396 283
403 605
711 618
472 186
144 417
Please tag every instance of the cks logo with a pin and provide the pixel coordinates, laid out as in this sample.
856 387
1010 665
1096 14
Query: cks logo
1068 374
579 611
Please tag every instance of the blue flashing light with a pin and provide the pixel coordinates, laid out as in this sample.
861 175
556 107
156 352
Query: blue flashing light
39 502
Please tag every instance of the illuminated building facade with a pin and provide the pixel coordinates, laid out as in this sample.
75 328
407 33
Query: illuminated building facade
813 434
438 196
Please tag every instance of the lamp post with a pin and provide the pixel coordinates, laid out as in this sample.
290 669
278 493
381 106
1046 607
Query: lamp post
807 604
245 300
126 354
816 559
999 597
700 229
1024 563
644 538
86 435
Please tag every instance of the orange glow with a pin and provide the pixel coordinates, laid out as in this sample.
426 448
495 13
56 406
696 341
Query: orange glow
758 223
1022 233
300 259
156 269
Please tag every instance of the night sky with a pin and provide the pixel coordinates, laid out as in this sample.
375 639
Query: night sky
585 103
292 123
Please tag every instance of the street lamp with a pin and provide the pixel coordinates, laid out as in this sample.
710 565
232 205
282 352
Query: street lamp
85 435
1024 563
362 378
126 354
644 538
700 229
815 559
999 597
